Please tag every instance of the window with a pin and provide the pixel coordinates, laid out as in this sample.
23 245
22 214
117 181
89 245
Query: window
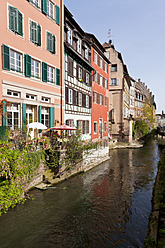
95 127
45 99
13 116
35 2
101 80
50 74
87 101
69 36
95 97
51 42
71 124
95 58
101 100
79 45
30 97
87 78
15 20
96 77
70 66
35 33
35 68
79 73
105 101
70 96
106 68
87 126
86 52
79 125
80 99
105 126
106 85
84 129
114 67
101 63
45 116
50 9
29 114
13 93
113 81
15 61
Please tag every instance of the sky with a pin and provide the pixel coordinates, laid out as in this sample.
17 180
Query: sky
137 31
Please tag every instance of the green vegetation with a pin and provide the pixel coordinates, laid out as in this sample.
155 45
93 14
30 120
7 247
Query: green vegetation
140 128
16 168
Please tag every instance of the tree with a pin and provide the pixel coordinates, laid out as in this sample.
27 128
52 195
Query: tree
149 113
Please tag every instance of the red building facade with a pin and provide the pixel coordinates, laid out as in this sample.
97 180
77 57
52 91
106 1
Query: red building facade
100 89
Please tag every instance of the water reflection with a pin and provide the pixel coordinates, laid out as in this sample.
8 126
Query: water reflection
106 207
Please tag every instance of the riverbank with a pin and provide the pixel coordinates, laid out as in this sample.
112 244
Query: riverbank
123 145
156 229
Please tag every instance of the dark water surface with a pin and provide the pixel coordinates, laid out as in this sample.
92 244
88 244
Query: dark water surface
106 207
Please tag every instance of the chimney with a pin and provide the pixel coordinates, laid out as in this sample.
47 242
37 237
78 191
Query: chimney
162 112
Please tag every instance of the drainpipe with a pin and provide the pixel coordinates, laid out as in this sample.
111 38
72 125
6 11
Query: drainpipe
61 52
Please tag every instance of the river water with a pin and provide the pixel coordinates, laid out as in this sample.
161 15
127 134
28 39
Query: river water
107 207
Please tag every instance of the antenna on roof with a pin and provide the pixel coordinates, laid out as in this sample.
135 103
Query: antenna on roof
109 36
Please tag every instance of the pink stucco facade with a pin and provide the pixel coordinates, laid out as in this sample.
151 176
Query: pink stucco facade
36 93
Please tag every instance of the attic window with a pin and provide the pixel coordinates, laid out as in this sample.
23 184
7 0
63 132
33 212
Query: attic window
114 67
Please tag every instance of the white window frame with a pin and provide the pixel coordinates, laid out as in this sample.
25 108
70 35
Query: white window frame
95 58
106 83
96 77
29 110
11 109
31 97
50 9
36 3
79 73
13 93
45 99
87 101
37 68
79 45
86 52
101 80
106 67
69 36
50 74
95 123
101 63
80 99
70 96
16 61
113 81
87 78
44 114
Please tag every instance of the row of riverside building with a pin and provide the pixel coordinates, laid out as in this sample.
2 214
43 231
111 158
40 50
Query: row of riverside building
53 72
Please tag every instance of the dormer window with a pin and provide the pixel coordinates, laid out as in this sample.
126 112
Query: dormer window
79 45
69 36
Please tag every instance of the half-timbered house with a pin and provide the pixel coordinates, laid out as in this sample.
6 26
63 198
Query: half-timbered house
78 76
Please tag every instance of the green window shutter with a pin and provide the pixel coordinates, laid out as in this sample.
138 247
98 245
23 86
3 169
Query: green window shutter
23 115
44 72
57 15
39 113
39 34
54 44
12 18
48 41
27 65
51 116
57 76
19 23
6 57
4 118
44 6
